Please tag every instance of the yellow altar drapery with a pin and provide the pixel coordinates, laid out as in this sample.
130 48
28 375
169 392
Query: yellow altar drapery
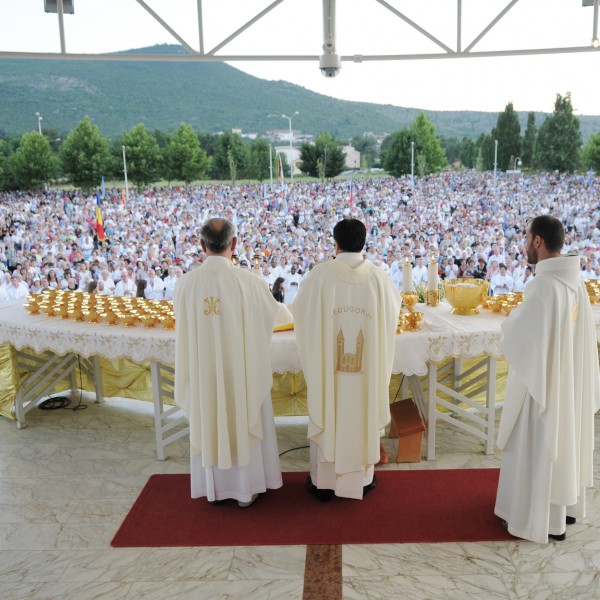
127 379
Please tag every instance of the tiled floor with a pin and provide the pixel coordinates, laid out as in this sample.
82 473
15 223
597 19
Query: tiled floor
68 480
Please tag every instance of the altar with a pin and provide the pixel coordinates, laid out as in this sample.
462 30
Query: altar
449 367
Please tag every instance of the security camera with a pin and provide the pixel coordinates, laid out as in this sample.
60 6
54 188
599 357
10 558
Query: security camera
330 64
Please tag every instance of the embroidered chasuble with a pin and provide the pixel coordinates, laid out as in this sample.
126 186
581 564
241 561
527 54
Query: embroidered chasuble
552 393
224 319
345 317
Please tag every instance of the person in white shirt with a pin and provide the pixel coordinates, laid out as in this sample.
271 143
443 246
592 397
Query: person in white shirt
451 268
519 270
17 289
126 286
101 288
294 279
171 282
501 282
587 272
523 280
419 272
109 284
155 287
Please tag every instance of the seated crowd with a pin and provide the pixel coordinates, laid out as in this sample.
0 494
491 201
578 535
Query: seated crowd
476 228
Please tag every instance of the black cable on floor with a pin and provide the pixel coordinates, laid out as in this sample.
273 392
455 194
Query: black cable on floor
292 449
58 402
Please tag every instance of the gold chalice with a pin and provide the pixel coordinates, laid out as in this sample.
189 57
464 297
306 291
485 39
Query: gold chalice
414 320
149 320
77 313
32 305
129 319
400 327
495 304
167 322
93 316
508 307
109 318
410 299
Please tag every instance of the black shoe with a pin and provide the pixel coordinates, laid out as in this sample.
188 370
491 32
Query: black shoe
370 487
571 520
217 502
558 538
322 495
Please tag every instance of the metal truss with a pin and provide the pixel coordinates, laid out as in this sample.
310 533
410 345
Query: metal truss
460 48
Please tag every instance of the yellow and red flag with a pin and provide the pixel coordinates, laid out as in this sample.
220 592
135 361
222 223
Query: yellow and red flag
280 173
99 220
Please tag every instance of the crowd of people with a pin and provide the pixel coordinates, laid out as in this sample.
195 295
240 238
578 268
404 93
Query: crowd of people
473 222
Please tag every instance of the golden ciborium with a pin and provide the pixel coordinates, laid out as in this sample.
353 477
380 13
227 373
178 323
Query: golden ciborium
465 294
410 299
32 305
414 320
400 328
495 304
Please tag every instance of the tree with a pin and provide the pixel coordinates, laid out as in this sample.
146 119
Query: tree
260 166
142 155
324 158
8 147
207 142
427 146
528 145
162 138
508 134
485 152
184 158
33 162
591 153
468 153
84 155
396 152
230 158
558 144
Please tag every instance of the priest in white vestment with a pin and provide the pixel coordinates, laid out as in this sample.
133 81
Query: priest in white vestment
345 317
552 393
224 322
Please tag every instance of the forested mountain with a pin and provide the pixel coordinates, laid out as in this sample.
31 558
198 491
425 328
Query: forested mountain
209 96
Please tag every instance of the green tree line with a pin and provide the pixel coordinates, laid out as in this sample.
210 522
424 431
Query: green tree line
85 155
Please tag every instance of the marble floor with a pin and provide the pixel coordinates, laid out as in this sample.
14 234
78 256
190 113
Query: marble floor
68 480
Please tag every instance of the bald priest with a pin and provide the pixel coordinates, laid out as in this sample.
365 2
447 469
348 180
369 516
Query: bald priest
224 322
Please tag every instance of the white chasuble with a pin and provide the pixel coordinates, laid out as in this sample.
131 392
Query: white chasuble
224 323
345 317
552 393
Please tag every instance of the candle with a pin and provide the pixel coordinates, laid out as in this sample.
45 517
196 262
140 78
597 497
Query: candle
432 276
407 284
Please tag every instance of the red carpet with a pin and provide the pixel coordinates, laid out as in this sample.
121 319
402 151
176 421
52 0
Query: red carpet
455 505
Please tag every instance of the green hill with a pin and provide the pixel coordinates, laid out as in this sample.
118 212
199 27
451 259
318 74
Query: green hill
209 96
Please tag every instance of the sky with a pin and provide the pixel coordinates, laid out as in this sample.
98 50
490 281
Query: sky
363 27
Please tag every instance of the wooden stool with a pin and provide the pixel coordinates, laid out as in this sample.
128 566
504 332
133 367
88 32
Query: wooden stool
408 425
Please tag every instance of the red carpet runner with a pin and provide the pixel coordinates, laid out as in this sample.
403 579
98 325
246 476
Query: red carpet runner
455 505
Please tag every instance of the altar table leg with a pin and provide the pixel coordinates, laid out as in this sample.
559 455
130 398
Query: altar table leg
163 387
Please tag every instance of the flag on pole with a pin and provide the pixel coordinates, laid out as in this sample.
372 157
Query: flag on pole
99 220
103 194
351 194
280 174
